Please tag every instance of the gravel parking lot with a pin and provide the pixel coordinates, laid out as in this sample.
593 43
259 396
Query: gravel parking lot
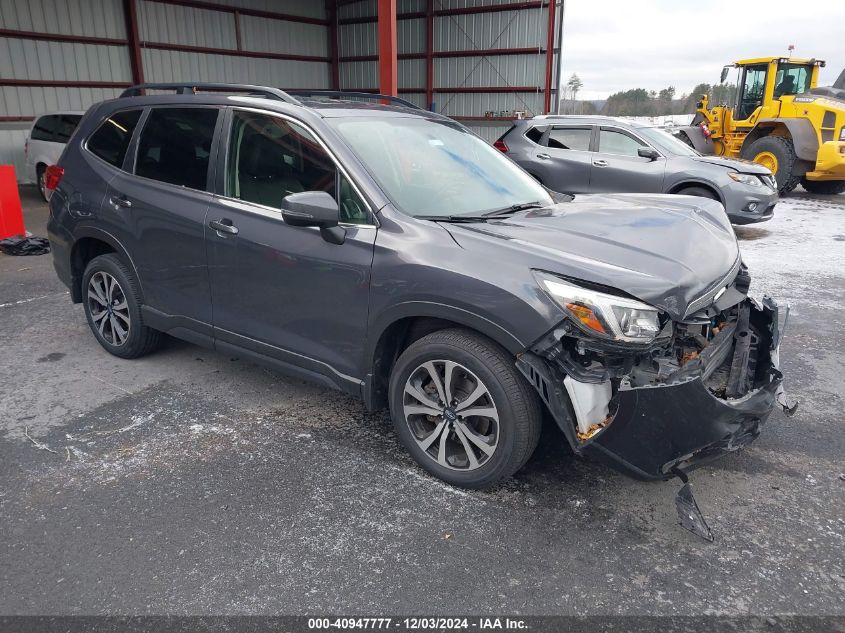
193 482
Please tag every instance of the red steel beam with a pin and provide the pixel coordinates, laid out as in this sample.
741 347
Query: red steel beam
55 37
387 47
51 83
478 52
460 89
492 8
429 55
257 13
184 48
130 14
550 58
15 119
334 53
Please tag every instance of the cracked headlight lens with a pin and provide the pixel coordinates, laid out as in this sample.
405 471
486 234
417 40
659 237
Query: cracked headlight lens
746 179
602 314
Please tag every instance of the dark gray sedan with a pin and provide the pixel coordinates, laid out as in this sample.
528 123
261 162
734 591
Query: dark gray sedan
577 154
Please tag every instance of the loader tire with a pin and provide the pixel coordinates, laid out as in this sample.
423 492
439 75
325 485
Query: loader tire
778 154
825 187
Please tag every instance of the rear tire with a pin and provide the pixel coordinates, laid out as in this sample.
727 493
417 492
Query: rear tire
40 172
492 411
778 154
111 297
701 192
825 187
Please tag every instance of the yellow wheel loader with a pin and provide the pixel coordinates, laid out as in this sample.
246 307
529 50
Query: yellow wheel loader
781 120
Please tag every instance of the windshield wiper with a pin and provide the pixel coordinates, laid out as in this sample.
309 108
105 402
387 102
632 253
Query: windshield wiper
514 208
453 218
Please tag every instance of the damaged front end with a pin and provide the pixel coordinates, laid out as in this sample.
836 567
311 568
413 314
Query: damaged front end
703 386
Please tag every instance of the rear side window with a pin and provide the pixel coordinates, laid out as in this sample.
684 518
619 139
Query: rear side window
44 128
65 126
175 145
112 138
575 138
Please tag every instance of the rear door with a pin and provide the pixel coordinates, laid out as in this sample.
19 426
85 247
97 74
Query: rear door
279 290
163 197
563 158
617 166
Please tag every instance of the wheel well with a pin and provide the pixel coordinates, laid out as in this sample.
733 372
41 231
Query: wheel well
83 252
700 185
393 341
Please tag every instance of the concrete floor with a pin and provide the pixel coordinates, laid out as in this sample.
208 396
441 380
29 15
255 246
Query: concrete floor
192 482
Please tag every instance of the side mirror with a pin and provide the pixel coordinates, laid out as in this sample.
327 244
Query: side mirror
724 74
648 152
314 208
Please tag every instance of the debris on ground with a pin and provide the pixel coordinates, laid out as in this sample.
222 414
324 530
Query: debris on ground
28 245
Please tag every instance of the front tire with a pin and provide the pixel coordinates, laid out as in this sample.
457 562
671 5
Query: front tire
824 187
777 153
113 309
462 409
701 192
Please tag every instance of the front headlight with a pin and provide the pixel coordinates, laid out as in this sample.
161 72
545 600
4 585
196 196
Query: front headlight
601 314
746 179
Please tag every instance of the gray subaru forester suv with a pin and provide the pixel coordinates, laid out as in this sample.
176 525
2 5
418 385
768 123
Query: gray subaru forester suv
388 252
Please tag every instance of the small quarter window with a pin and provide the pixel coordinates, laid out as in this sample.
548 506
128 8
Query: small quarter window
112 138
574 138
175 146
534 135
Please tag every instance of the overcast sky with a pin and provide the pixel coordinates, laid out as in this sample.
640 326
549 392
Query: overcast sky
620 44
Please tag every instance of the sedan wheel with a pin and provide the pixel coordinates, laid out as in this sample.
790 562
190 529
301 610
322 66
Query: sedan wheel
451 415
109 309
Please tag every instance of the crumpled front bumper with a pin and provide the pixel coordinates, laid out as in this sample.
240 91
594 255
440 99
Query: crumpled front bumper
657 429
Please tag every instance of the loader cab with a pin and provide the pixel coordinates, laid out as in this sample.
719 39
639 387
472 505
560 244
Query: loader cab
754 89
763 82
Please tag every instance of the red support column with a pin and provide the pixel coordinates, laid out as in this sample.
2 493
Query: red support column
387 48
130 14
550 58
333 45
429 55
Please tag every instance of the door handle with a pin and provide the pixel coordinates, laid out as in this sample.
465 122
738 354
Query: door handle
600 163
223 226
120 202
543 156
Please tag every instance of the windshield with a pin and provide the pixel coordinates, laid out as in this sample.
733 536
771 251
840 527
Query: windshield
436 168
665 142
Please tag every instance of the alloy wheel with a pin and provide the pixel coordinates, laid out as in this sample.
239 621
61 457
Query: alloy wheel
451 415
109 308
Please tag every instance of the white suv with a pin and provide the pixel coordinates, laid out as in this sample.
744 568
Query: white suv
47 139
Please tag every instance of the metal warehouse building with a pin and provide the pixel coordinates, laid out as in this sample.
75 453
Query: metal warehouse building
480 61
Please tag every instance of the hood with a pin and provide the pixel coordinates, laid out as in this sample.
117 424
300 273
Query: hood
665 250
744 166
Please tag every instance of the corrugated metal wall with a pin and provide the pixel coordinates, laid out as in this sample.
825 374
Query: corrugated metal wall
23 58
162 24
520 28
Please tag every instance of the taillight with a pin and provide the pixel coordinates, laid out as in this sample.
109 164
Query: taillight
52 176
500 145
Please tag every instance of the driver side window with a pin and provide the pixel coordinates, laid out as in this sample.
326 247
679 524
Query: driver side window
270 158
752 90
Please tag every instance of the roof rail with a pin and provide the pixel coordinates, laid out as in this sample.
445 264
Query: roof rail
340 94
191 88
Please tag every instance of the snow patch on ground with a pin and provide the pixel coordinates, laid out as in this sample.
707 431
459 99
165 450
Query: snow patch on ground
801 249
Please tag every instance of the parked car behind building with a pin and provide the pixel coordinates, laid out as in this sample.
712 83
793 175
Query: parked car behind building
47 139
594 154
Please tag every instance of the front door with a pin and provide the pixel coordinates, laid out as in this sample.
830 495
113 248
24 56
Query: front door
617 166
279 290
